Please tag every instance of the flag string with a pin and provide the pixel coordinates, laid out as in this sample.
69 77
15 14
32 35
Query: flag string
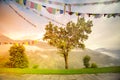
35 13
21 15
31 42
48 18
79 4
37 6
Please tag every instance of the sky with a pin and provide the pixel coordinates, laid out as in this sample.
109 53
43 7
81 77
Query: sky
105 31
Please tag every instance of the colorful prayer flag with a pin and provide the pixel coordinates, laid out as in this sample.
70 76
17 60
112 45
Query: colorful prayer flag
35 5
39 7
21 2
97 15
26 43
49 9
61 11
36 41
32 5
24 2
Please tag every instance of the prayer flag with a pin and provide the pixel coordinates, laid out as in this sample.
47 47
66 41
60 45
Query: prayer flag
21 2
25 2
97 15
39 7
61 11
49 9
36 41
35 5
26 43
32 5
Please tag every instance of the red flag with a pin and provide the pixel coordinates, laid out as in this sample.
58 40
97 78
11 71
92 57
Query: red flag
32 5
49 9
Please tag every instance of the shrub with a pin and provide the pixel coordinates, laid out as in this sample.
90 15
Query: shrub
94 65
35 66
18 58
86 60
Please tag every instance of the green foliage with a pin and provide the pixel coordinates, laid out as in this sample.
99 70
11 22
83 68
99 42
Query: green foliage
18 58
35 66
94 65
69 37
63 71
86 60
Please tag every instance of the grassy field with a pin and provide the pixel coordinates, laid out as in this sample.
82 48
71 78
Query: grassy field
69 71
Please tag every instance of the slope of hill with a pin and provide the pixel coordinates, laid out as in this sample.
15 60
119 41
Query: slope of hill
115 53
50 59
4 38
46 56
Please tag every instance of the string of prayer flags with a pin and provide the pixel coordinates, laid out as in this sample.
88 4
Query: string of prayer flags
22 2
52 2
21 16
96 3
80 4
97 15
31 42
54 11
51 10
34 5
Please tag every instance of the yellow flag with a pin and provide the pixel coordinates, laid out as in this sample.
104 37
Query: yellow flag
36 41
26 43
39 7
21 2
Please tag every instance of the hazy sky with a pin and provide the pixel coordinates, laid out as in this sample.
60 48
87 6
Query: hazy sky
105 32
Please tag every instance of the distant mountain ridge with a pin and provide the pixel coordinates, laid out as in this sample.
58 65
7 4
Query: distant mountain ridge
3 38
111 52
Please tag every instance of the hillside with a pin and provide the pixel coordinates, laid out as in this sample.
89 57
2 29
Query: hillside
4 38
47 57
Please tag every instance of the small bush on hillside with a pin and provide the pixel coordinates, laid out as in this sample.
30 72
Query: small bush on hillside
94 65
86 60
35 66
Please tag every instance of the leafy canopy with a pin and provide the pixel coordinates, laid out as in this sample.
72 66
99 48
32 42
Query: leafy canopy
69 37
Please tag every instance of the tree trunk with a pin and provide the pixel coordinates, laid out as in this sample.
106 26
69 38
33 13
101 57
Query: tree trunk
66 61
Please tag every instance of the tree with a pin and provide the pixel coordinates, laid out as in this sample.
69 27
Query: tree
69 37
94 65
86 60
18 58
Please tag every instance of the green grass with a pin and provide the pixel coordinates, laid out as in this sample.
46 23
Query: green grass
63 71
